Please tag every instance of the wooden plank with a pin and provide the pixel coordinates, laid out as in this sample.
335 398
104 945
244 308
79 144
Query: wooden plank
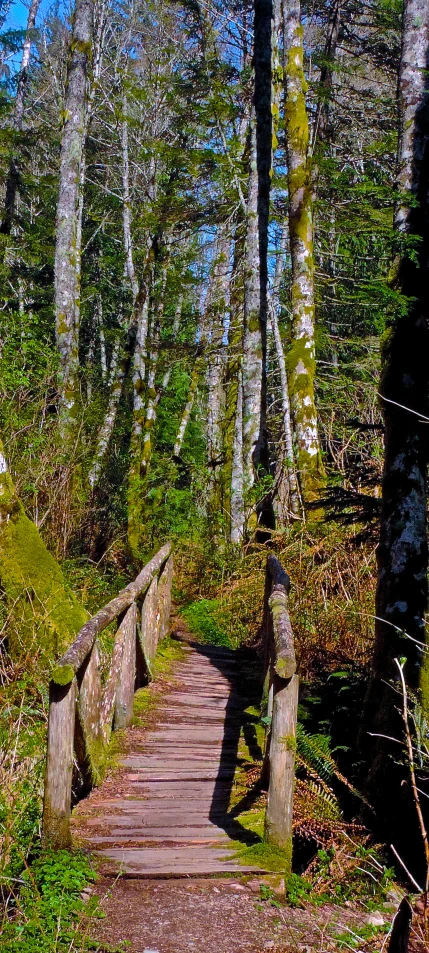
153 819
149 630
164 600
125 691
109 697
89 713
59 765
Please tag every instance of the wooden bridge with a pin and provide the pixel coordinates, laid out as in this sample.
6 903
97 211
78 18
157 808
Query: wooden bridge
168 811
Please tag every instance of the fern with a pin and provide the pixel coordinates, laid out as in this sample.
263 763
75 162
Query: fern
314 754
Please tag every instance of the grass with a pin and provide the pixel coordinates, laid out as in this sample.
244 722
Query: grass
212 621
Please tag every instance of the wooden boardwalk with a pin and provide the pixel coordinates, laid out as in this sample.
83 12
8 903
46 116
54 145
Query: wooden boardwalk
168 813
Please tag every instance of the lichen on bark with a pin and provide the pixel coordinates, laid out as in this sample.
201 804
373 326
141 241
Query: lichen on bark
301 357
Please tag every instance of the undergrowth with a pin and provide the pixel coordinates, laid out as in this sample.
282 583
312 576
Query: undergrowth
213 621
46 911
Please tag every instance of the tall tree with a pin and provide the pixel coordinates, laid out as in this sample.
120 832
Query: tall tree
403 551
67 252
301 356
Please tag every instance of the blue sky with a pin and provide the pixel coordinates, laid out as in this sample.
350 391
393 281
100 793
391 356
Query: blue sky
17 20
18 13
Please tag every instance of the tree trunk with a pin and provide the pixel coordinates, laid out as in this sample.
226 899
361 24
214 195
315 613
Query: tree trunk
287 494
67 253
252 340
402 552
151 394
231 383
187 411
237 476
301 362
216 319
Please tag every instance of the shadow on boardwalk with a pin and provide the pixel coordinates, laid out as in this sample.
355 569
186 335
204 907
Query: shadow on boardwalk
244 692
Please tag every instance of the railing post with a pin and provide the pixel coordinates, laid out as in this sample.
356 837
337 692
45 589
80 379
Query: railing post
59 765
279 764
125 691
278 818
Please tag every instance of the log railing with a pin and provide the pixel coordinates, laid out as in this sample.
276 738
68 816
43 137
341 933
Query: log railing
82 712
281 691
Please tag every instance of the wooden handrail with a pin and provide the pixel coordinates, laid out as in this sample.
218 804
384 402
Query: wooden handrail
82 712
281 687
75 656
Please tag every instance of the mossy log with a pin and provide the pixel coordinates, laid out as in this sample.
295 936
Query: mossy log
72 660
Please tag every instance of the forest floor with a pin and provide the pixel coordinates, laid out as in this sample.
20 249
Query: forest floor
244 911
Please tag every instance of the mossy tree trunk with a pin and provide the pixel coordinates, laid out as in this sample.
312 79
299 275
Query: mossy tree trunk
44 614
255 437
286 498
264 58
231 385
252 340
301 364
217 309
237 474
403 552
67 252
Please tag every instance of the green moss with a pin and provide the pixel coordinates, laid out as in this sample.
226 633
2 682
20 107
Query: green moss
289 742
33 582
168 652
263 855
424 686
63 674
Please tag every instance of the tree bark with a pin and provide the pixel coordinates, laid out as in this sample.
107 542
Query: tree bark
301 362
237 475
252 339
216 319
402 553
67 253
187 411
287 494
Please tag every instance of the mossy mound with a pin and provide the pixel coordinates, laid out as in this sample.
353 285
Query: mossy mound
42 607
